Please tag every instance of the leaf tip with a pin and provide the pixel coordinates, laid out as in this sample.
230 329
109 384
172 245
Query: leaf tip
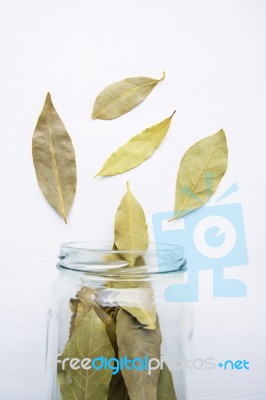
48 96
173 218
221 133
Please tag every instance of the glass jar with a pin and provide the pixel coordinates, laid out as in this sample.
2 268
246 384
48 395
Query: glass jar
111 333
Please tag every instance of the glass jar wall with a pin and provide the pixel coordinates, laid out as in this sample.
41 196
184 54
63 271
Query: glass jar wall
111 334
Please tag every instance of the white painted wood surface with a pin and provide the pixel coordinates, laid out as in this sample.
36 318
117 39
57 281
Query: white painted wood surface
214 55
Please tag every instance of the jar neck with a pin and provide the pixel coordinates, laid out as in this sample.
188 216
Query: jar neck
98 258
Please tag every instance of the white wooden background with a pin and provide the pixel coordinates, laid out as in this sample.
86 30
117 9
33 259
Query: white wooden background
213 52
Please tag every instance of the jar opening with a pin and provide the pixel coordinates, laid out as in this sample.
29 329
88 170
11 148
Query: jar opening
102 258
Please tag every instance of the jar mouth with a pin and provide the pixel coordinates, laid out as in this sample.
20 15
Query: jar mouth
101 258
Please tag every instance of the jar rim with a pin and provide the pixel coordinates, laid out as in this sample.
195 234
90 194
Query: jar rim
99 257
97 246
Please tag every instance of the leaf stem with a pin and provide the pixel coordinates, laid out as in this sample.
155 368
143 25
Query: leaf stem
162 78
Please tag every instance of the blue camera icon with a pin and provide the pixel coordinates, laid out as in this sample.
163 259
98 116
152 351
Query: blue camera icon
213 237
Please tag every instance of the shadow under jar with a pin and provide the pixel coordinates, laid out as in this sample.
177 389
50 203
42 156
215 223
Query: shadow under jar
111 334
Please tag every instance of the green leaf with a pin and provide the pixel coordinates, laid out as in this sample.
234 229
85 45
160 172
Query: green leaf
89 340
200 172
137 150
166 390
131 231
54 159
135 342
120 97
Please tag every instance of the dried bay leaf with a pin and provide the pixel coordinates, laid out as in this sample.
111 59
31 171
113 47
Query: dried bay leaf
117 388
201 170
131 231
80 306
145 317
120 97
135 342
115 257
136 150
138 301
166 390
131 234
54 159
139 262
86 299
109 321
89 340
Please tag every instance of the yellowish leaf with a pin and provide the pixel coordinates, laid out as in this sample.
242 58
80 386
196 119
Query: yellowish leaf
120 97
200 172
136 150
131 231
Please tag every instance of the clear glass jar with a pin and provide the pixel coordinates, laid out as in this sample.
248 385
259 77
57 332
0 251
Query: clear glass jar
111 334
